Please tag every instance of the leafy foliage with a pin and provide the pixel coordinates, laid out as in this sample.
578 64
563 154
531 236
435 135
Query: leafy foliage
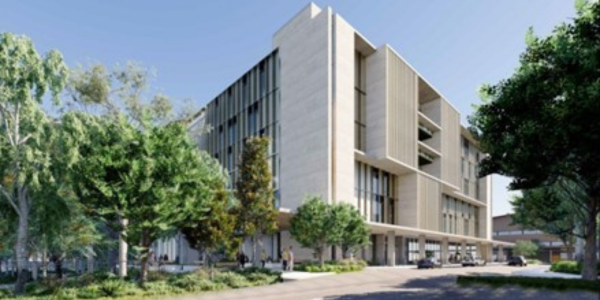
560 284
540 126
548 209
333 266
256 212
26 132
317 225
526 248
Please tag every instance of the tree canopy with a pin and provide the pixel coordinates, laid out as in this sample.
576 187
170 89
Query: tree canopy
256 212
318 225
541 125
25 131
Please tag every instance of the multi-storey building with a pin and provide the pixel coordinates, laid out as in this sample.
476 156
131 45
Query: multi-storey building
355 123
551 248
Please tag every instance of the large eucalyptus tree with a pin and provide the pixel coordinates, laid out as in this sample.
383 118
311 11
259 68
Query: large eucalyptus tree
25 130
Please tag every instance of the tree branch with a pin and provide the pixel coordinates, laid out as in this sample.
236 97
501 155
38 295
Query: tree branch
5 118
10 200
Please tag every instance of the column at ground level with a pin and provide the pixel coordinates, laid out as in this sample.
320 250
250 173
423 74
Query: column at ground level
380 249
391 248
500 253
444 250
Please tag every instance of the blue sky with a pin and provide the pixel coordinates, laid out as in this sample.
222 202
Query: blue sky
200 47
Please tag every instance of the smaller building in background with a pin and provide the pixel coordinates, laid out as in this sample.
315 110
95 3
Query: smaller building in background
551 248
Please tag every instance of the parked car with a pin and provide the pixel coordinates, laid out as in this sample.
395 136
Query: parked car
428 263
517 261
473 262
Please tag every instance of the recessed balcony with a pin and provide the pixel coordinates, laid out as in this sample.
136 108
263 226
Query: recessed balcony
424 158
424 132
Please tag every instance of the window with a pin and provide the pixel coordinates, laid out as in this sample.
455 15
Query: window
412 250
262 80
360 115
221 137
232 130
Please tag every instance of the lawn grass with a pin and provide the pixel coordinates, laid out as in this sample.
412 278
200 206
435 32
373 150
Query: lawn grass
560 284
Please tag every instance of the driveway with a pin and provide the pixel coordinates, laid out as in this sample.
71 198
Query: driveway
393 283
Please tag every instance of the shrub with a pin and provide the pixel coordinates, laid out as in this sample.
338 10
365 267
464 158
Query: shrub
66 294
104 275
157 276
91 291
532 282
112 288
5 294
232 279
156 288
569 266
193 282
8 279
334 266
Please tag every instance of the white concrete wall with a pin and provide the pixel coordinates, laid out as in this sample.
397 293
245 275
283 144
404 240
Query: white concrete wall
451 145
343 104
402 93
305 52
408 200
377 104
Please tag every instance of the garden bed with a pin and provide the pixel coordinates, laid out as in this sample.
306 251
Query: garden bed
106 285
560 284
333 266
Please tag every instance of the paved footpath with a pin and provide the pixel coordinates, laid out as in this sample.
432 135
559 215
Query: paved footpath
392 283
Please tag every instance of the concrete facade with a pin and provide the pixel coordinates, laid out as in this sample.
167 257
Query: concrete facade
355 123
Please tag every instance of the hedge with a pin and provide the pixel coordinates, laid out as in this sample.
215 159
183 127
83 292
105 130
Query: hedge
570 267
333 266
560 284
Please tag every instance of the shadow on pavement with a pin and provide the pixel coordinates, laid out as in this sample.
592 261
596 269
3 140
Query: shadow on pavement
445 287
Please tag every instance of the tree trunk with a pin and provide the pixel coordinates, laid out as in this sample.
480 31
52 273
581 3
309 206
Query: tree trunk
145 252
21 245
257 249
90 259
590 259
321 256
122 247
44 263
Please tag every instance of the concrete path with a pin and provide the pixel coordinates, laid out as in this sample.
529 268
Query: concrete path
392 283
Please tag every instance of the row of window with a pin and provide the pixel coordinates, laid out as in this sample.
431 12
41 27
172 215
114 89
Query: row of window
374 192
249 107
360 96
516 232
459 217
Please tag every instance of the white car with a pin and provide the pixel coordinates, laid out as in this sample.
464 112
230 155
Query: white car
470 262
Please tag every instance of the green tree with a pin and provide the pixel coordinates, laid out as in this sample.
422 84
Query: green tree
212 229
256 212
318 225
310 226
355 232
173 182
122 96
548 209
526 248
25 76
99 153
541 125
